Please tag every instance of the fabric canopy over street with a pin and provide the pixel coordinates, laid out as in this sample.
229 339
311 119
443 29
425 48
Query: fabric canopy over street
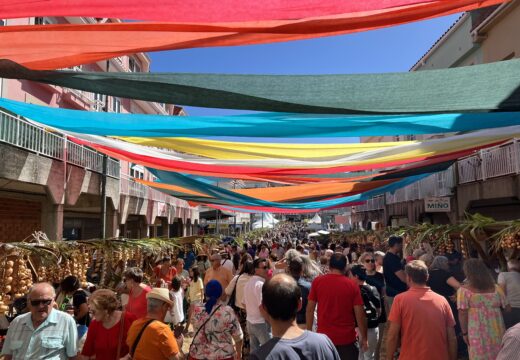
303 140
57 46
174 132
227 10
487 87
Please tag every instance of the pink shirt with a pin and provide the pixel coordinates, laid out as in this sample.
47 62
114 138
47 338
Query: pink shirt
424 317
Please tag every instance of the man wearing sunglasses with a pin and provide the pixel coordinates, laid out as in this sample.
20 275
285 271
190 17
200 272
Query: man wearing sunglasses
44 332
258 329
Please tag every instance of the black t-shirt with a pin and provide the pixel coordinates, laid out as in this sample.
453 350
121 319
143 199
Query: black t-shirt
391 265
78 298
437 282
305 288
309 345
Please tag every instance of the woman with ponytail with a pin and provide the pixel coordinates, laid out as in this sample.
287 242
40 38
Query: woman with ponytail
218 335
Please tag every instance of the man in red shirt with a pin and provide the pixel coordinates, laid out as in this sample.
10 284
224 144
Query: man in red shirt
422 319
340 307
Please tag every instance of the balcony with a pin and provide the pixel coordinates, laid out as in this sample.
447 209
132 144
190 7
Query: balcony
436 185
130 187
20 133
375 203
490 163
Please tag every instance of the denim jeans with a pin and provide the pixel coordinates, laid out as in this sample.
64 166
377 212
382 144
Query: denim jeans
259 334
373 338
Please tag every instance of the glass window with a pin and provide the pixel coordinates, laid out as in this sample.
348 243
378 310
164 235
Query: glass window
116 105
134 66
2 22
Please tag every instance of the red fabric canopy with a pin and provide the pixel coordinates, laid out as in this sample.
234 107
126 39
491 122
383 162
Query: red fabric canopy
60 46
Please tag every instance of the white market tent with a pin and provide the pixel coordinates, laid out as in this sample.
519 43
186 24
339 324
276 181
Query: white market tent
267 220
315 220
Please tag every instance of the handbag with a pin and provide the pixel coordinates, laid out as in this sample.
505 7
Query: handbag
233 296
138 338
202 326
121 330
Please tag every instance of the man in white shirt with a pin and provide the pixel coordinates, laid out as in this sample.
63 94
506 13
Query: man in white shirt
259 330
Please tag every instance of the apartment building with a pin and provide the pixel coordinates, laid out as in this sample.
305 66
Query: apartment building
487 182
51 184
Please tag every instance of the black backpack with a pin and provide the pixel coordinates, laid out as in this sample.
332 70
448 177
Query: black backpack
370 304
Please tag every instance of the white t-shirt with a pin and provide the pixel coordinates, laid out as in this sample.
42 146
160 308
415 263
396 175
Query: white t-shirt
253 299
239 296
176 314
511 280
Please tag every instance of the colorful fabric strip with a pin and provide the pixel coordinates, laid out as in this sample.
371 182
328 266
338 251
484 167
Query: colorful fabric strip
60 46
487 87
206 10
175 132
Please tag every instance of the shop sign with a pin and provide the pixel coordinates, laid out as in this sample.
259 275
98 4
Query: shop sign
437 204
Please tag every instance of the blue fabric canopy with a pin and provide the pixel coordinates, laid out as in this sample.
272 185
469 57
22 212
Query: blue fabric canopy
272 125
226 197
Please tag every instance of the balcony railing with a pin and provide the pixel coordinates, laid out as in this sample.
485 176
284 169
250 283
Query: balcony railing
436 185
128 186
18 132
490 163
375 203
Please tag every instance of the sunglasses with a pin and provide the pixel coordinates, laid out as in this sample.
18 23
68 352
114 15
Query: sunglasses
367 261
40 302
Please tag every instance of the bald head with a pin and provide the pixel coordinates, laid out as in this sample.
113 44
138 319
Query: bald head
42 288
281 297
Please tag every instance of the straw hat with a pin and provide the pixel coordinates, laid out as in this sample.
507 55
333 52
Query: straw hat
160 294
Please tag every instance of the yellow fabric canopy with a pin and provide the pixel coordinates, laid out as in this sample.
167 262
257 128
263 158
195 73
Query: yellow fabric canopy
227 150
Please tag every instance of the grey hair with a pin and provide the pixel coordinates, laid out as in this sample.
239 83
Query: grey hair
440 262
379 253
42 285
310 268
152 305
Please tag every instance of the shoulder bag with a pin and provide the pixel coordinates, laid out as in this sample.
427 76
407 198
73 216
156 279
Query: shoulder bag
202 326
138 338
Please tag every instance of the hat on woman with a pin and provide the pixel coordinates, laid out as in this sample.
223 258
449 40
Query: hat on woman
160 294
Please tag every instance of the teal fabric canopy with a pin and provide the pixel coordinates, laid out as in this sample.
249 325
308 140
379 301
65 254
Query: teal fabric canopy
488 87
262 125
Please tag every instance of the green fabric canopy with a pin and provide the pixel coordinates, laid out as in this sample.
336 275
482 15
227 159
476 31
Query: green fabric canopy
489 87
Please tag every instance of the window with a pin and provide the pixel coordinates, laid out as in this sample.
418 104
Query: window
134 66
136 171
116 105
99 102
42 21
2 22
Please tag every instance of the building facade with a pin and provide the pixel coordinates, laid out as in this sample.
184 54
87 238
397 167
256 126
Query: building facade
51 184
486 182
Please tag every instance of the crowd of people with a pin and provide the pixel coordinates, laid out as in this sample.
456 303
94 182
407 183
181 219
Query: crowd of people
281 296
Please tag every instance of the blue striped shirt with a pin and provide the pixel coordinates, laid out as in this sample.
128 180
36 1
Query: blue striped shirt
54 339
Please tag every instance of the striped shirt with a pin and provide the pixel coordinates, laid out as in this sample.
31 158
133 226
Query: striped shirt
510 344
54 339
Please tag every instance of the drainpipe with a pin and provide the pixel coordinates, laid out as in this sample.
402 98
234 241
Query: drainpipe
103 230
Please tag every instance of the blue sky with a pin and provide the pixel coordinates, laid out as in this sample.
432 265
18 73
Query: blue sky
386 50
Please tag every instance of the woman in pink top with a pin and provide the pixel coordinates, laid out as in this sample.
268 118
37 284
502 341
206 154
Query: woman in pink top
137 292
